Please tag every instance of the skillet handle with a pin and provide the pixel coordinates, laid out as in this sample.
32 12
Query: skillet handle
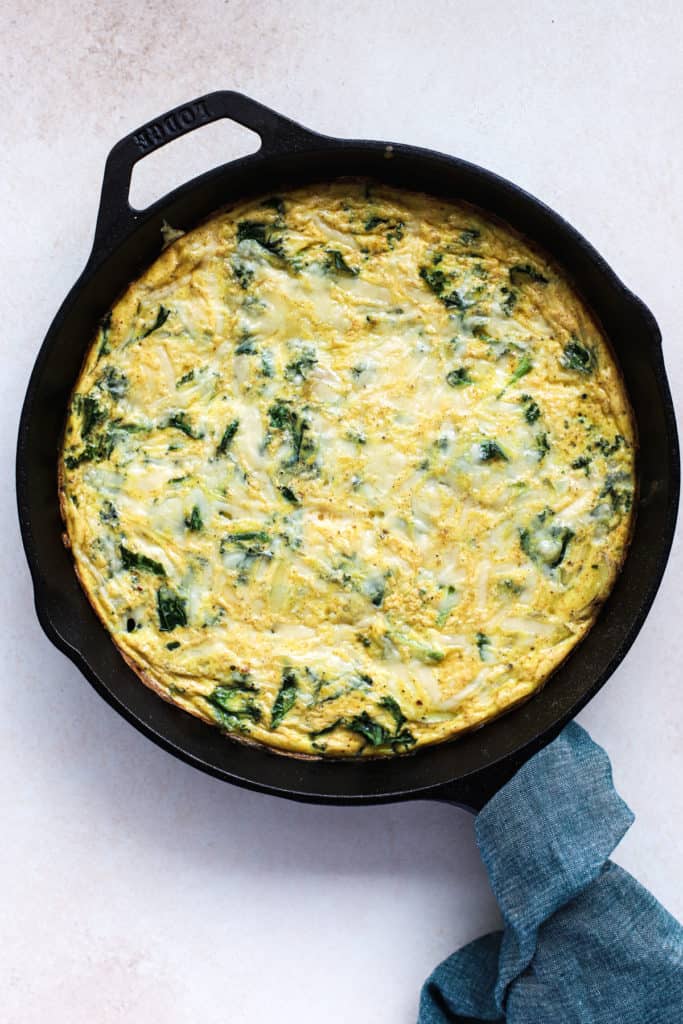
278 135
474 791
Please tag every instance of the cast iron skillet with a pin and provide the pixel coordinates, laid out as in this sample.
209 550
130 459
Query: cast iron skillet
466 771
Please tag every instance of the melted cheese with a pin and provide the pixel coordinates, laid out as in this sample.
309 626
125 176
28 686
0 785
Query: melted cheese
348 471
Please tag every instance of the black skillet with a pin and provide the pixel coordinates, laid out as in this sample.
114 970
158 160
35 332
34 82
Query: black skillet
466 771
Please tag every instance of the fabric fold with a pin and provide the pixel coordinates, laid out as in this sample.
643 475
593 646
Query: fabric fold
582 941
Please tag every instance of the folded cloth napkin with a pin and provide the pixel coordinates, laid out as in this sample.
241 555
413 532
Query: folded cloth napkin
583 942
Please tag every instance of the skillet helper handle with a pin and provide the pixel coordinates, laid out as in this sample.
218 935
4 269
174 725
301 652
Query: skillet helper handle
278 135
474 791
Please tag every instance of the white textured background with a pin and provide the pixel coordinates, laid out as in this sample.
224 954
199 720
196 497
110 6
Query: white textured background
133 888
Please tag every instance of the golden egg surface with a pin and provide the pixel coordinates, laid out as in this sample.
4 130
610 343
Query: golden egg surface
348 470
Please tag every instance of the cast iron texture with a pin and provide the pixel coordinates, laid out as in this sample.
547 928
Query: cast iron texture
466 771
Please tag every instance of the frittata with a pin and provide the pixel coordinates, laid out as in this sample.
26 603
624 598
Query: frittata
348 470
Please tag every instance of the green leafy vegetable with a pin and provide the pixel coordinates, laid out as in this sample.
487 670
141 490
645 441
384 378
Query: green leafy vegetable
185 379
101 446
171 608
275 203
542 445
491 451
286 698
531 409
418 647
326 690
470 235
267 364
113 381
90 412
297 371
248 546
483 646
394 229
616 496
233 708
264 234
351 573
162 316
377 734
108 513
227 438
194 521
248 535
510 300
583 462
578 357
336 264
296 428
458 378
395 233
545 544
289 495
243 275
281 416
402 739
105 328
524 366
375 588
392 706
447 603
180 421
609 448
439 282
374 732
96 451
141 563
327 729
525 273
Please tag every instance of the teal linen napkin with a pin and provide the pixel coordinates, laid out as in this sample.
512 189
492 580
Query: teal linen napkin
583 942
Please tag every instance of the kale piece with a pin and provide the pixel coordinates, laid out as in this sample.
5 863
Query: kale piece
491 451
458 378
286 698
578 357
162 316
525 273
227 438
140 563
172 609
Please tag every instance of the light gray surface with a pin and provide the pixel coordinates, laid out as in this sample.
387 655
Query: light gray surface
135 889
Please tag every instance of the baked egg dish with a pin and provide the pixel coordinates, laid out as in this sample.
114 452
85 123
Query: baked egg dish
348 470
